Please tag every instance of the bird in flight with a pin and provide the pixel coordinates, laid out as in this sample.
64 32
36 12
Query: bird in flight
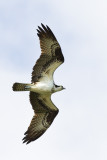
42 85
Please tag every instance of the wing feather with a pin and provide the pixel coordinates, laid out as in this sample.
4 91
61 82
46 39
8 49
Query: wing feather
45 112
51 54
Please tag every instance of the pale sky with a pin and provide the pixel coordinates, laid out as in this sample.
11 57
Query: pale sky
79 132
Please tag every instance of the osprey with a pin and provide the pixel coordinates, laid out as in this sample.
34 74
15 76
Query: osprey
42 85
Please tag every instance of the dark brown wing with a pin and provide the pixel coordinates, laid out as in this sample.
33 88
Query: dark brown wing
45 112
51 55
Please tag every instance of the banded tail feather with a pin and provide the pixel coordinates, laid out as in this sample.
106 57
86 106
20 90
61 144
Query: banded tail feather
21 87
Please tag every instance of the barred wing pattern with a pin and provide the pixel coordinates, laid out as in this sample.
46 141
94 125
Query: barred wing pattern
51 55
45 112
50 59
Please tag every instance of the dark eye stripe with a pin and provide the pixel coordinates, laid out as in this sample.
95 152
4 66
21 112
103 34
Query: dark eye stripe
56 85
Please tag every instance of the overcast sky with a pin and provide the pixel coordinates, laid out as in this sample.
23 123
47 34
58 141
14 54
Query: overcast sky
79 132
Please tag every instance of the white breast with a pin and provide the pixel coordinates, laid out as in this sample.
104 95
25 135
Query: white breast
40 87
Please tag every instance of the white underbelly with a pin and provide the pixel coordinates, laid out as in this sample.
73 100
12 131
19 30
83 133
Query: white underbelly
41 87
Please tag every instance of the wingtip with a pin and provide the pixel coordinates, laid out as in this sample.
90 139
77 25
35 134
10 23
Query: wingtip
42 24
43 28
48 28
45 31
25 140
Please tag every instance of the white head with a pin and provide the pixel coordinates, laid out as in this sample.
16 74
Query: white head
58 88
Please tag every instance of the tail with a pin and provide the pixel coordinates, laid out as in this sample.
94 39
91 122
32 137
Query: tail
21 87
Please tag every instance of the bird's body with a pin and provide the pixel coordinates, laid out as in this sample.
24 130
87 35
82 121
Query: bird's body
43 86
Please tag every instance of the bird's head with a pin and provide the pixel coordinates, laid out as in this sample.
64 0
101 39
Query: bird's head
58 88
61 87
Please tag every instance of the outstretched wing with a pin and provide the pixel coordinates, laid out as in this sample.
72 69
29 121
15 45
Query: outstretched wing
45 112
51 55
